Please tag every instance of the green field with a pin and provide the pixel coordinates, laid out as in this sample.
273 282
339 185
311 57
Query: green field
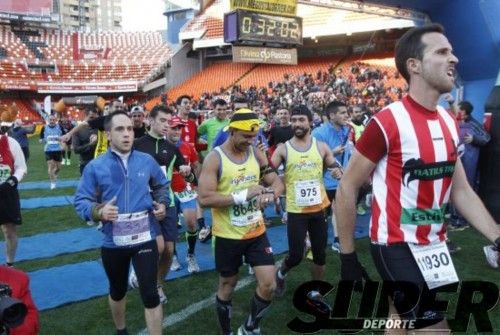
93 316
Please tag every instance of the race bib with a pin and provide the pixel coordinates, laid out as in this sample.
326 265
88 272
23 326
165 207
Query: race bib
186 196
307 193
4 172
245 214
131 229
53 139
435 264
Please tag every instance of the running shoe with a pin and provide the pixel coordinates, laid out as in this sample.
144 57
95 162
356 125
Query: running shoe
360 210
163 297
280 286
315 299
132 279
205 234
251 272
243 331
175 266
52 186
336 246
192 264
491 256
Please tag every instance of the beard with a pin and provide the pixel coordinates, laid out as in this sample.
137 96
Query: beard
300 132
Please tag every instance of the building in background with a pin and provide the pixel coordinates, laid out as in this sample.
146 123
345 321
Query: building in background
89 15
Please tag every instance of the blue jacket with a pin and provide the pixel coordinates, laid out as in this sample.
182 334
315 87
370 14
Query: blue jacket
333 138
106 177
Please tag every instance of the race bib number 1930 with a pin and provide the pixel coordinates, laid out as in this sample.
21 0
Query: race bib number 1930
435 264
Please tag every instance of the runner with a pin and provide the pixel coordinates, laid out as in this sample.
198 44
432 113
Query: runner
184 192
123 178
410 147
304 159
168 157
12 170
229 185
51 135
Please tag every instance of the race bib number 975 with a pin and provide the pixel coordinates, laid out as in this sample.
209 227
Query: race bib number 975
307 192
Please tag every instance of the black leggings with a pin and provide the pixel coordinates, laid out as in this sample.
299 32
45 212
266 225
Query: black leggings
297 227
144 257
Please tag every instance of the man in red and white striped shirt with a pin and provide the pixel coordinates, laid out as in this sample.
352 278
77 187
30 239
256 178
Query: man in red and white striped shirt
410 150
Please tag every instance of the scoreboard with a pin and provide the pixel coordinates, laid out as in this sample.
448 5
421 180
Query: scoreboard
243 25
263 31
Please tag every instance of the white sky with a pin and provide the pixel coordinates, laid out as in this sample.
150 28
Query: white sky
143 15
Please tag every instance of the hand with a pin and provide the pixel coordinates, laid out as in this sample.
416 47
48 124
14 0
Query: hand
468 138
352 270
338 150
64 138
159 210
265 200
185 170
92 139
255 190
109 212
12 181
336 172
261 146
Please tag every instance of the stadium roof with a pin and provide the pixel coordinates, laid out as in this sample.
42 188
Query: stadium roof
207 30
471 28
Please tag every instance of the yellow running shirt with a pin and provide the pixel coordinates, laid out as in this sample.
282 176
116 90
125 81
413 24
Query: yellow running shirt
305 190
238 222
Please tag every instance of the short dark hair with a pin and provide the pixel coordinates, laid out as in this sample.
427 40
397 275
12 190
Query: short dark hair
466 107
178 101
160 108
410 45
301 110
220 102
108 120
333 107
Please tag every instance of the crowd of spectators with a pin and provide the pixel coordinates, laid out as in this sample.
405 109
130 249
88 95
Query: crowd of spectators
355 84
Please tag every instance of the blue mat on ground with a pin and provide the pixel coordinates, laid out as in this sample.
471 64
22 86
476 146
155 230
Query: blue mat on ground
34 185
47 202
57 286
53 244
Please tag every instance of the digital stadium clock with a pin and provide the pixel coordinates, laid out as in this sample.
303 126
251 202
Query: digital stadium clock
241 26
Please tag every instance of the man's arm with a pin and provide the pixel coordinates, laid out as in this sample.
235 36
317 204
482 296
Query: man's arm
80 148
207 185
345 201
69 134
278 155
20 167
159 183
470 206
269 175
